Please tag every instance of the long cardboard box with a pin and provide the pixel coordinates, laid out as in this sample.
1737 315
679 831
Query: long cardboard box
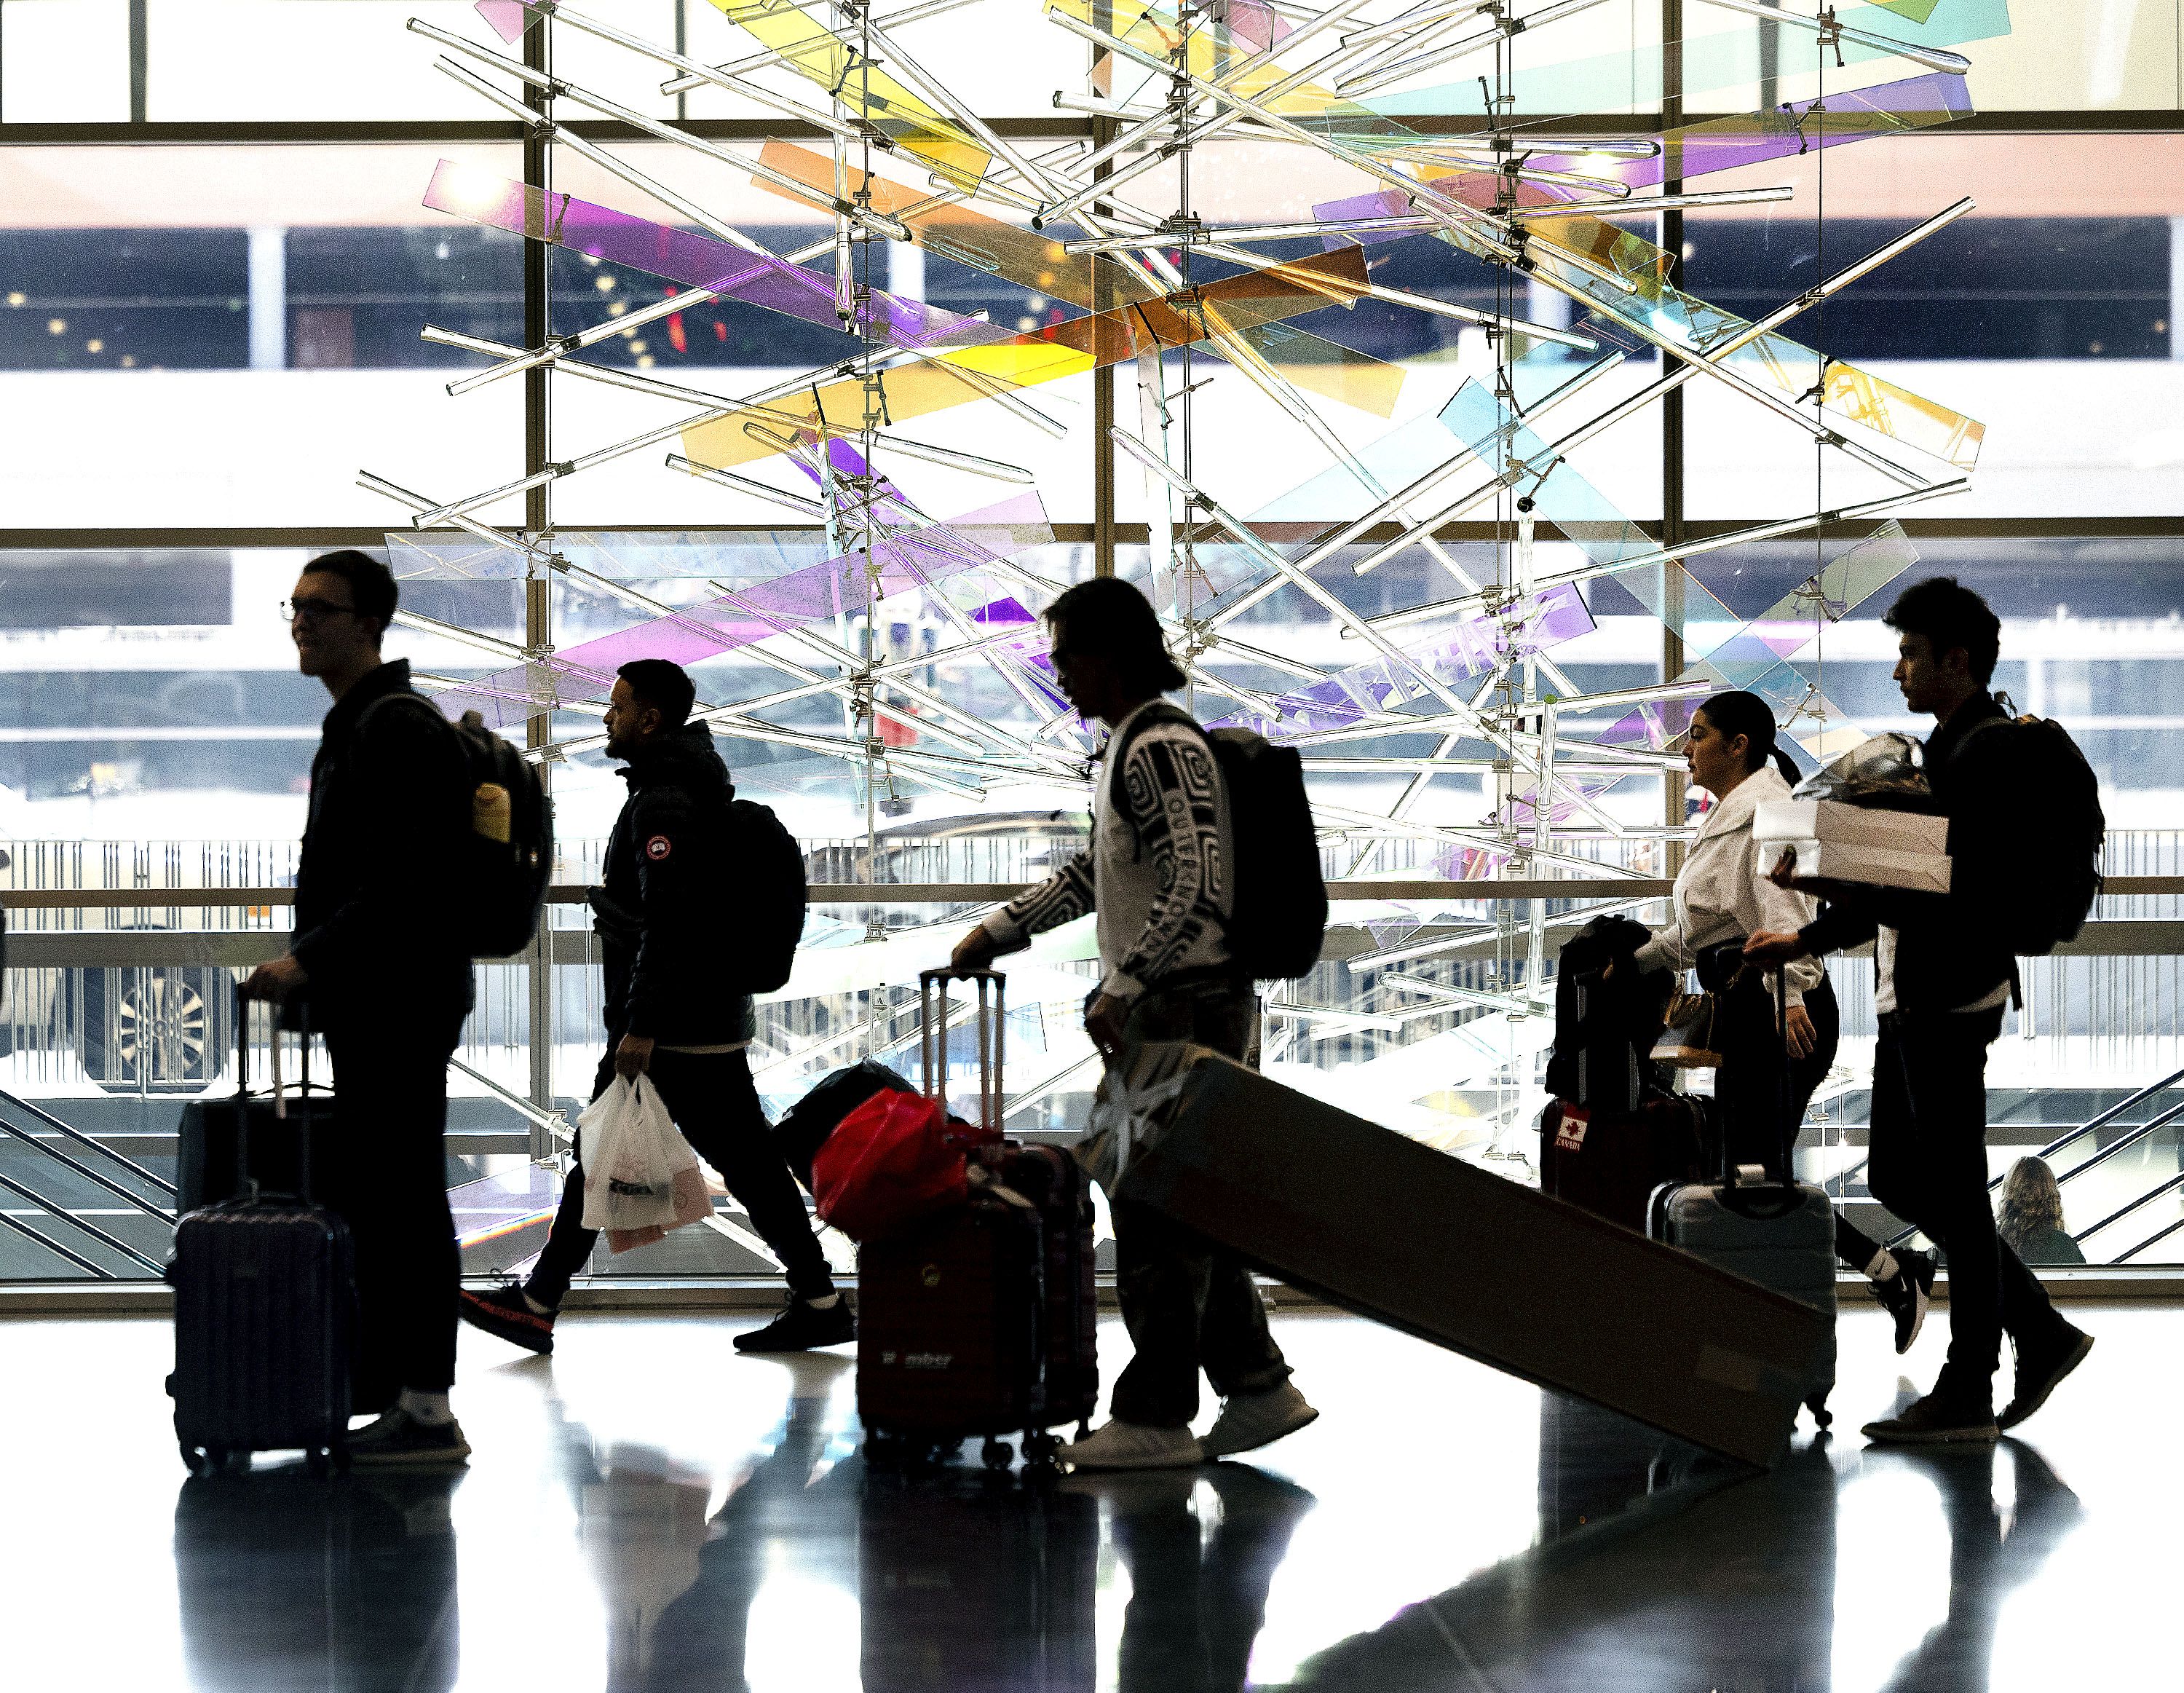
1392 1230
1828 861
1850 826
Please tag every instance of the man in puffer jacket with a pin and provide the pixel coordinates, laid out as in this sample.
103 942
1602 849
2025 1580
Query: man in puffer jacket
666 915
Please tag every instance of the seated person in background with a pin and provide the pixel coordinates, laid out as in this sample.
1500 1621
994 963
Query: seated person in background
2031 1221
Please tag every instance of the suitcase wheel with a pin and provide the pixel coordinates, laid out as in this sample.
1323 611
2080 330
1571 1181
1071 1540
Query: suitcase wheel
1041 1450
1822 1416
996 1453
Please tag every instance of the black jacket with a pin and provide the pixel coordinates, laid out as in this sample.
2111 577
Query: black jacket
666 912
389 807
1946 953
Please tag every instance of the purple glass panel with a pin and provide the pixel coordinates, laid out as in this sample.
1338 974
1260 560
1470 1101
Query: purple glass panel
684 256
907 559
509 17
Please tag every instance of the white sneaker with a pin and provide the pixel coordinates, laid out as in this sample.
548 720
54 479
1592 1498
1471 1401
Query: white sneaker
1250 1421
1120 1445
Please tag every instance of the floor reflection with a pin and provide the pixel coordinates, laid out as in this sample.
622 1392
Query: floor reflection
1198 1583
650 1513
289 1581
1659 1567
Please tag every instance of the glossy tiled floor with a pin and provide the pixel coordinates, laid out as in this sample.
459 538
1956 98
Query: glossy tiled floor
651 1512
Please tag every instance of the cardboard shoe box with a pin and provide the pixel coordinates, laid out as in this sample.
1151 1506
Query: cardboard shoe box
1848 843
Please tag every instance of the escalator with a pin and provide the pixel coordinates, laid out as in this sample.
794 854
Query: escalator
2123 1166
72 1209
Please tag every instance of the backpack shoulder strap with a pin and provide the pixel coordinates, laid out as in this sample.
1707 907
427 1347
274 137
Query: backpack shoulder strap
1160 712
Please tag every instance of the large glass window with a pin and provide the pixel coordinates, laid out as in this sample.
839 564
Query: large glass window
224 297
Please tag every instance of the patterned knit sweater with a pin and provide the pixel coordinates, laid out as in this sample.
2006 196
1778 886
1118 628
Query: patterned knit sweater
1159 870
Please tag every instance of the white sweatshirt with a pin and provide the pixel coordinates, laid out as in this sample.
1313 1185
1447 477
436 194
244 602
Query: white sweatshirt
1722 891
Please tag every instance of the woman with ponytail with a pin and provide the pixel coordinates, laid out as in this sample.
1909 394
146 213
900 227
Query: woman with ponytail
1722 894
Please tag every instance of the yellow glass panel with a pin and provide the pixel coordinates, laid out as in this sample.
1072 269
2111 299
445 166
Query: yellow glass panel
816 53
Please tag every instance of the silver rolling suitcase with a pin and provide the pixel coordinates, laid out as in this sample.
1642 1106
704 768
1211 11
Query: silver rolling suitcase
1762 1224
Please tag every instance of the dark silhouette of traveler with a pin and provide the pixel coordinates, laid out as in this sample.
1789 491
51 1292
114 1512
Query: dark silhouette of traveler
1159 875
1722 896
1197 1599
2031 1223
1943 975
667 912
390 806
1986 1565
287 1581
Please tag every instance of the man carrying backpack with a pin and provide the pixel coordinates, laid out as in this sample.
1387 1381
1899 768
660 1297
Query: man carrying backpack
1161 873
1944 971
379 955
674 913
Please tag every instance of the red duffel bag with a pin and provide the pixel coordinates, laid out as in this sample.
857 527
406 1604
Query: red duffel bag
894 1159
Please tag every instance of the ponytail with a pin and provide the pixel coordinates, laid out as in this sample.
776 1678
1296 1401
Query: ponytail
1738 712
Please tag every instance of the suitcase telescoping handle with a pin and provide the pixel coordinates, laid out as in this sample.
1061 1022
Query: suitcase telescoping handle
280 1094
1777 1182
934 1017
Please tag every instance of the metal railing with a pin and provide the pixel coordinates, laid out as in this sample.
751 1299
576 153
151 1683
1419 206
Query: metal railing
1331 1018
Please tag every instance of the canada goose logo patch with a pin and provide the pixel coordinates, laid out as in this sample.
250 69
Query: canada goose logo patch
658 847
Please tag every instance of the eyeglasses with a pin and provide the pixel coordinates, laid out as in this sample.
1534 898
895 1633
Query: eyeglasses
313 610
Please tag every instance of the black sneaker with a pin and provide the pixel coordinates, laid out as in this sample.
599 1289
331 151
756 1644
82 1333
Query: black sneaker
1906 1294
2041 1370
506 1315
399 1440
1935 1420
802 1327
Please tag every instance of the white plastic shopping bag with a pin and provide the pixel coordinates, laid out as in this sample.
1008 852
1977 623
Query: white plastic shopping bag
1139 1086
641 1178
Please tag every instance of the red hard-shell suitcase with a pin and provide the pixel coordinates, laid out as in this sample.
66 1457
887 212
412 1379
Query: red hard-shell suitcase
982 1321
265 1319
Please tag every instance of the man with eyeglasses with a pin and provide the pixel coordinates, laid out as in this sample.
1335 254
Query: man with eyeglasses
388 990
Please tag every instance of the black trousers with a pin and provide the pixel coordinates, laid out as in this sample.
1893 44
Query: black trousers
1748 1087
713 1102
1188 1303
391 1123
1929 1166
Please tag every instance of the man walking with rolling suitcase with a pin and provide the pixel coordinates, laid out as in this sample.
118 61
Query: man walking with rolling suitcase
687 894
1160 872
382 961
1944 972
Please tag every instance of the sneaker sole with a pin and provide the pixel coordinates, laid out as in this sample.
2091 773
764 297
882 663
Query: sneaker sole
491 1319
1226 1450
807 1346
1190 1461
1882 1435
2013 1417
444 1458
1918 1322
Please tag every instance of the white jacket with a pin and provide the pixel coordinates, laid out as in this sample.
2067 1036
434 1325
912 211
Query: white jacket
1722 891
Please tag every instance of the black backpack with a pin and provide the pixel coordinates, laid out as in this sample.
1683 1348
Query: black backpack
769 868
1279 920
2029 843
1604 1031
507 853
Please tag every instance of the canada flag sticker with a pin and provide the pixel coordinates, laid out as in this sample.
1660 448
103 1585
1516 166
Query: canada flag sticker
658 847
